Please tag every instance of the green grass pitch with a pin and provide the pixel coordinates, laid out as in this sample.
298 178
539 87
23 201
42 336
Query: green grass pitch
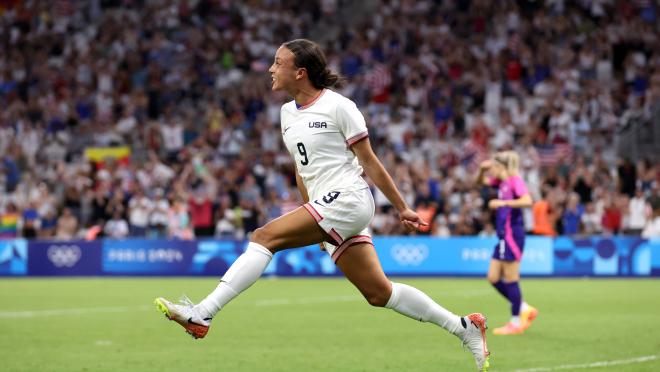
320 325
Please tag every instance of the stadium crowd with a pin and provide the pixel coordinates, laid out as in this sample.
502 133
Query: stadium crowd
184 87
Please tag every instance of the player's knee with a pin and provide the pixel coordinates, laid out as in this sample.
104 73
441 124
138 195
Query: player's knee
493 279
378 300
378 297
263 237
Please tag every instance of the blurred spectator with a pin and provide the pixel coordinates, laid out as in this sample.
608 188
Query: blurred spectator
48 224
139 210
179 221
30 222
637 213
592 220
545 215
201 210
652 228
67 225
9 222
572 215
116 227
159 220
225 226
612 216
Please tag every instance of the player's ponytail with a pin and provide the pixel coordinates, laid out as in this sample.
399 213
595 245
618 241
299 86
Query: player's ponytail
308 55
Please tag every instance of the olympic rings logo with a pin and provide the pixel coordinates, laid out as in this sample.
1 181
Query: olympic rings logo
409 254
64 255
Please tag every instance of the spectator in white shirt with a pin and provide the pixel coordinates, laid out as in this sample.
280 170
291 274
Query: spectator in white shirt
139 209
637 214
158 220
652 229
116 227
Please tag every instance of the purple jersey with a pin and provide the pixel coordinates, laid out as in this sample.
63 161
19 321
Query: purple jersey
509 221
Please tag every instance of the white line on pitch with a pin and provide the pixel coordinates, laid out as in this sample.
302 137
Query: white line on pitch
604 363
79 311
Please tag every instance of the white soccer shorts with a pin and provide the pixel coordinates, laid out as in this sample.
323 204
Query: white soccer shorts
345 216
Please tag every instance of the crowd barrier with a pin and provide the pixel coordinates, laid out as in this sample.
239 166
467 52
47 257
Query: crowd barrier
408 256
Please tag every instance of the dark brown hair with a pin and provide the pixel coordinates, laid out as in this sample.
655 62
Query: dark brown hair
308 55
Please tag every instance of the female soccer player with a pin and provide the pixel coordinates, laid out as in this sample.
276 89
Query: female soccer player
327 136
505 263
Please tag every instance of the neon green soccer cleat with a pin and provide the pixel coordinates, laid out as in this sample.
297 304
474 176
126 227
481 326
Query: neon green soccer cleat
184 314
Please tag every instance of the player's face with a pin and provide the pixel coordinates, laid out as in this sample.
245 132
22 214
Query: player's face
497 170
283 71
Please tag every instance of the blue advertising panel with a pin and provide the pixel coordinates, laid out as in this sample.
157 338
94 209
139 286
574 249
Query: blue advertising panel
148 257
13 257
415 256
309 260
213 257
456 256
599 256
538 256
52 257
653 246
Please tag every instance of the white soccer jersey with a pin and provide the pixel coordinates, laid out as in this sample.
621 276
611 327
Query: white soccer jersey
318 136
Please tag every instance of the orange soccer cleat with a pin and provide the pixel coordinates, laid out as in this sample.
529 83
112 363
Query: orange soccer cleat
509 329
527 316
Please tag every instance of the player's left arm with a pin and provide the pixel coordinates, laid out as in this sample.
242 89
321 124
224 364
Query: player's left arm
524 201
376 171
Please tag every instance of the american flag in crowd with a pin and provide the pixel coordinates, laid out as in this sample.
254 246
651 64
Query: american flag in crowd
378 79
472 155
552 154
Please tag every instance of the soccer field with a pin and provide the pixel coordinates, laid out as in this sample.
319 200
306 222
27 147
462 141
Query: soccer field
320 325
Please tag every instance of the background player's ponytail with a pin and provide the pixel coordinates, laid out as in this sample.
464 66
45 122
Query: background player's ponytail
510 160
308 55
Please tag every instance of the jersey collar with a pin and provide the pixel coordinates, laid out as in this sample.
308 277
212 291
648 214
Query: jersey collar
302 107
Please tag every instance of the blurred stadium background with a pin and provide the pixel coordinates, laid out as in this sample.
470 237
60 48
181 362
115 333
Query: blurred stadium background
140 138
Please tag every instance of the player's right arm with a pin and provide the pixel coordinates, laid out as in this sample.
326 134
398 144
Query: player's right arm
481 175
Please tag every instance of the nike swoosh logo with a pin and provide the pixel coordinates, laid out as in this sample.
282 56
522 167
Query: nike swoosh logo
190 321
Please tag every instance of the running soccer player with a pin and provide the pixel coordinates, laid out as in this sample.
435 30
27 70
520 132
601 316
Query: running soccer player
327 137
504 271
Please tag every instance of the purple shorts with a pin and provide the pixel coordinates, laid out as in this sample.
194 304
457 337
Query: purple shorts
509 249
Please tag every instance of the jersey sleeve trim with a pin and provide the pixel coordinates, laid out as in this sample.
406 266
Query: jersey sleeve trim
357 138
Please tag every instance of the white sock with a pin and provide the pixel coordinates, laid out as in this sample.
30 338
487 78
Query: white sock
247 268
523 306
515 320
415 304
